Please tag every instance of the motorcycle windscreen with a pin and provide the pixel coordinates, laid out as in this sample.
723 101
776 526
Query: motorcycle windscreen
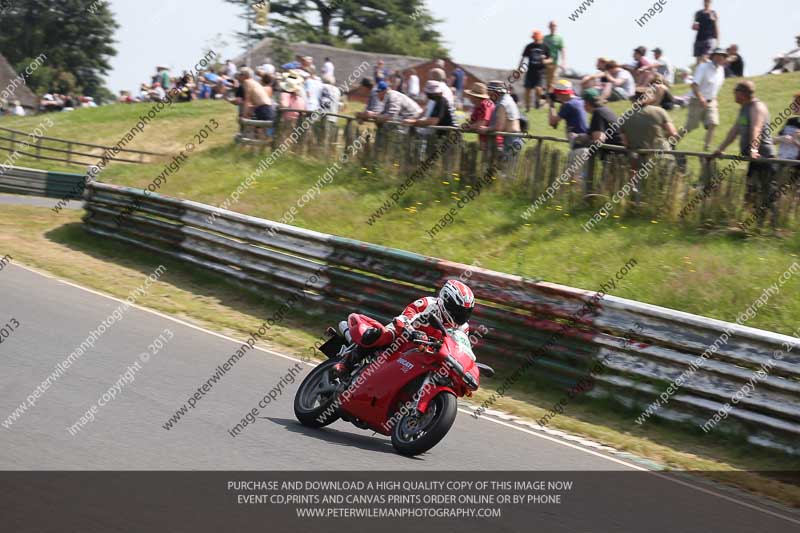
371 396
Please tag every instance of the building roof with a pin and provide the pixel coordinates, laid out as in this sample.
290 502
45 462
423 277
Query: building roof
11 90
347 61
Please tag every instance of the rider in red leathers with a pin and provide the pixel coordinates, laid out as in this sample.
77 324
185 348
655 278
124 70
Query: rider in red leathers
453 307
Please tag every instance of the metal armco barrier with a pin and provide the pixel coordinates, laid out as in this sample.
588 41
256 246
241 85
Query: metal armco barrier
27 181
521 314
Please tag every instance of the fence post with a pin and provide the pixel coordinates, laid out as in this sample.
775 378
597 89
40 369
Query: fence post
277 130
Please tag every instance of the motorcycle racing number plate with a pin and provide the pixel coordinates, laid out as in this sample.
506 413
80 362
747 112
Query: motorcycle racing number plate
463 341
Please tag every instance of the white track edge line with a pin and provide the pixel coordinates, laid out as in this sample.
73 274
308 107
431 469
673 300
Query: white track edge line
512 426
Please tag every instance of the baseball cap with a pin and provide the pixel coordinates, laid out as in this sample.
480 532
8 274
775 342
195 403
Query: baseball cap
563 87
719 51
657 50
382 86
591 95
641 50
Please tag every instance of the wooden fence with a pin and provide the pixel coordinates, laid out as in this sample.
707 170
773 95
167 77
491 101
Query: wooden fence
20 143
695 188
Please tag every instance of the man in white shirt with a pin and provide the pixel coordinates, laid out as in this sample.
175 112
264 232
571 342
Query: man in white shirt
330 97
412 84
327 68
313 88
703 106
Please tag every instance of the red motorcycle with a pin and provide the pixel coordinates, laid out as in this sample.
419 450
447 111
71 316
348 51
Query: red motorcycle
409 395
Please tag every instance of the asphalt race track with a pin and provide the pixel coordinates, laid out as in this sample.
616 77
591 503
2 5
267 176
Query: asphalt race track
55 317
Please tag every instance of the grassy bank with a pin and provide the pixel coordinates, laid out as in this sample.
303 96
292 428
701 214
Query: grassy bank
710 273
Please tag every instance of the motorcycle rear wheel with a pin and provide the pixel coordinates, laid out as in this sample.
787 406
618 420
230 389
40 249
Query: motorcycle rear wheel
311 407
415 434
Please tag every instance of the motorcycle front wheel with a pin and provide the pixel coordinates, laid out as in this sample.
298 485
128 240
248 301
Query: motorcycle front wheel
416 433
316 403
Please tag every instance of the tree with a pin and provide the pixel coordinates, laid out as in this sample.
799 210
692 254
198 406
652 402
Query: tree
362 24
75 36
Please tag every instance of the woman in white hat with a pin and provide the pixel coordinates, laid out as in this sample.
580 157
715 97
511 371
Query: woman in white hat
292 95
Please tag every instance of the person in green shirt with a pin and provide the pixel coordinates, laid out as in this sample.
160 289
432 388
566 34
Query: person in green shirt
555 45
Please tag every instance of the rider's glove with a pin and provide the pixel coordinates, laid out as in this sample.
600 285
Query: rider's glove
371 336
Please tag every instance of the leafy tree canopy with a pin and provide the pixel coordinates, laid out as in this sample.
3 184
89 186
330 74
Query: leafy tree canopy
384 26
74 37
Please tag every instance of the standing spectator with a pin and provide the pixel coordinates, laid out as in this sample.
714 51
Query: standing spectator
706 24
257 103
650 127
313 88
620 84
230 69
292 97
538 57
662 65
396 81
571 110
703 105
441 114
734 67
505 117
603 129
327 69
482 110
458 82
330 98
438 74
412 84
396 105
573 113
306 63
373 102
555 46
600 129
381 73
753 129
